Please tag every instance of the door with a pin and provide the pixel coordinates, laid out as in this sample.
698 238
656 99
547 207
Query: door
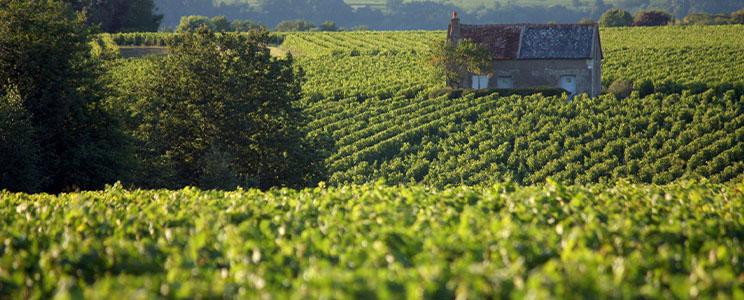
568 83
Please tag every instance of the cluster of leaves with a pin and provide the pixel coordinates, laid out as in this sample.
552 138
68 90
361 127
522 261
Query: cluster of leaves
217 112
569 242
218 24
119 15
54 133
165 38
619 18
453 61
304 25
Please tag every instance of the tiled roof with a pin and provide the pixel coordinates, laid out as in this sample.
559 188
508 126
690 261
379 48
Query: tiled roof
501 40
557 41
533 41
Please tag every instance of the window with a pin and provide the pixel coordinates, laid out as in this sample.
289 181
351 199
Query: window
504 82
480 82
568 83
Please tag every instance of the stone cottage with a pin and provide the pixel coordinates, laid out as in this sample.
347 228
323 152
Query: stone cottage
567 56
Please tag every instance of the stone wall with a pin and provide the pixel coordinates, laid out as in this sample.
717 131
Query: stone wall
547 73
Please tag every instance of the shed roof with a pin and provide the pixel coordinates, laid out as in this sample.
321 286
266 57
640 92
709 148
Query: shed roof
534 41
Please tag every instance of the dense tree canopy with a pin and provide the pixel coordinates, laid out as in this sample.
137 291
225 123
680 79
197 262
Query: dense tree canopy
652 18
120 15
54 129
218 24
218 113
396 14
466 57
295 25
616 18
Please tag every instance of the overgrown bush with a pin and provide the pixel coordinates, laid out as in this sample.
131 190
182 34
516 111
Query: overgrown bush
218 112
737 17
294 25
621 88
616 18
652 18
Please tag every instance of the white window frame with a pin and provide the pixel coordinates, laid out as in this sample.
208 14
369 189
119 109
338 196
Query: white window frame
479 82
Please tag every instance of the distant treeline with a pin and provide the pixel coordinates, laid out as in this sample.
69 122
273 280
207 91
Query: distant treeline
620 18
151 15
420 14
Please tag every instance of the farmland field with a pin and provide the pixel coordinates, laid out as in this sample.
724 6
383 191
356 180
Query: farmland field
355 80
370 93
431 193
373 97
626 241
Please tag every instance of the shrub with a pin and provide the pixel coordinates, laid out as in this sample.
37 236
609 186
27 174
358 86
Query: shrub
192 23
328 26
245 25
294 25
706 19
738 17
621 88
616 18
652 18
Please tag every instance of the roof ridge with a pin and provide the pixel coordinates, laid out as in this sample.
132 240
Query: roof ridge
533 41
521 36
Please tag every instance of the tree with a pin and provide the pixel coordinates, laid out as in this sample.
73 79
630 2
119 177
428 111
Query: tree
328 26
294 25
652 18
19 164
737 17
220 24
706 19
192 23
120 15
452 61
53 95
616 18
245 25
218 112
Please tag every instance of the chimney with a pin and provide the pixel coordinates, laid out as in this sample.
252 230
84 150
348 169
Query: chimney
453 33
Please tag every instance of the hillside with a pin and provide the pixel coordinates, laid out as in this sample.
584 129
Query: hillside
371 99
276 165
370 93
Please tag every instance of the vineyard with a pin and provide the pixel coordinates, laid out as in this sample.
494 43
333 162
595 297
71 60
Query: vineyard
426 192
626 241
375 100
375 96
